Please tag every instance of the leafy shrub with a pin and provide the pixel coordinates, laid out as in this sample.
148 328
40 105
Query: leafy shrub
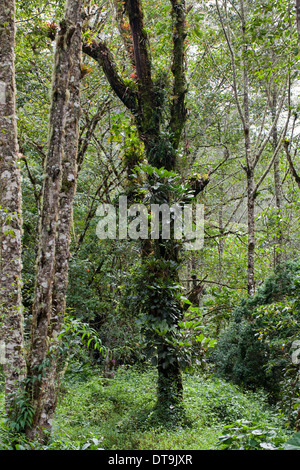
241 358
255 349
244 435
217 402
293 443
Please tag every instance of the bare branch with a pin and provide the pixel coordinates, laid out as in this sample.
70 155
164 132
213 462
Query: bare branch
232 55
291 164
267 138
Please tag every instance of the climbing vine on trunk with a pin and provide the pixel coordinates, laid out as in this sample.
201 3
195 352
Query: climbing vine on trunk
159 122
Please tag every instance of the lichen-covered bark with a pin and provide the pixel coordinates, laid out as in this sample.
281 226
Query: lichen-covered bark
148 118
46 259
62 253
11 326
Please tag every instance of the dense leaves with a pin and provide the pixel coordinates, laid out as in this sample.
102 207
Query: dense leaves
189 104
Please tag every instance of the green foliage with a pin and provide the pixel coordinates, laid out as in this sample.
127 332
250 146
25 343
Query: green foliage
122 411
109 295
195 342
74 329
160 186
240 357
118 414
21 412
155 295
244 435
293 443
255 349
216 402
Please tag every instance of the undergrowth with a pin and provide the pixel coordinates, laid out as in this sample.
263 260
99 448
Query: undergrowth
118 413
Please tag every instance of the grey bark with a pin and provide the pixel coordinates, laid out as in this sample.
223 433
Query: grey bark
49 216
253 150
54 375
277 186
11 322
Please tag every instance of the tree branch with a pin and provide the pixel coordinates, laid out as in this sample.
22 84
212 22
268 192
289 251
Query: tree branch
234 84
291 164
91 127
274 123
140 42
101 53
124 30
178 108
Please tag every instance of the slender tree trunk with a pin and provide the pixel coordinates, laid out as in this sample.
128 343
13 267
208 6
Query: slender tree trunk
38 361
11 323
249 163
277 187
221 244
251 233
298 18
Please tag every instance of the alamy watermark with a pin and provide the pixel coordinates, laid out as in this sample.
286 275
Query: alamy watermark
180 222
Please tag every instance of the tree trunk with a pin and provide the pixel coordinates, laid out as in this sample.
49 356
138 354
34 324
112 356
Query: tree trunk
169 387
277 186
11 321
221 243
249 162
38 361
145 101
298 18
53 375
251 233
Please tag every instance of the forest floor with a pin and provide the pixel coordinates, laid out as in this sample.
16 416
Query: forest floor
117 414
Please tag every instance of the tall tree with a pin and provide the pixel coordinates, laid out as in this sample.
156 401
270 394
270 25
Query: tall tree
254 145
56 214
298 18
277 186
159 122
53 377
37 381
11 211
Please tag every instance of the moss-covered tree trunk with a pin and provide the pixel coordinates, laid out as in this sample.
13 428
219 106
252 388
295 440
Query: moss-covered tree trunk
11 324
54 374
55 206
145 103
